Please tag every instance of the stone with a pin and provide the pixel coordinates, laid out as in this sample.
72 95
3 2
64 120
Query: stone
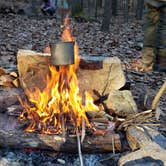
8 96
121 102
61 161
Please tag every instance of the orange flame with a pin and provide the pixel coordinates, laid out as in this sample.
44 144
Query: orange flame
61 101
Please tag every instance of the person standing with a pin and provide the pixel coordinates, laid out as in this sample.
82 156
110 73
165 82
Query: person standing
48 7
154 49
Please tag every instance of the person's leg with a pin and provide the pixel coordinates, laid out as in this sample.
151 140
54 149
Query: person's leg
151 21
43 11
51 11
160 60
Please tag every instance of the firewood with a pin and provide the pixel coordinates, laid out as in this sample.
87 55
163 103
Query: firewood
33 68
149 142
11 137
2 71
6 80
159 94
16 82
14 74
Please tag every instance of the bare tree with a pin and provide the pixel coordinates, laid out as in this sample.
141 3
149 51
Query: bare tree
139 10
106 16
114 7
126 11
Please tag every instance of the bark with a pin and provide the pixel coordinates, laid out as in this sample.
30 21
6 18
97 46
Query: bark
94 74
106 16
126 12
114 7
150 144
139 10
12 137
96 8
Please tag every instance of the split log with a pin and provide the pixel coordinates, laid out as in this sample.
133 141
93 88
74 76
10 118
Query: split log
11 136
32 68
8 79
149 142
109 77
95 72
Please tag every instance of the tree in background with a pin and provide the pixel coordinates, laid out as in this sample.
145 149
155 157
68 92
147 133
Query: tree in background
139 10
106 16
114 7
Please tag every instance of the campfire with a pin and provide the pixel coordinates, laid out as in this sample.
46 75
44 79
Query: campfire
57 106
61 104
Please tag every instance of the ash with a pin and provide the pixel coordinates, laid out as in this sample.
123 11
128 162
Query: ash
27 157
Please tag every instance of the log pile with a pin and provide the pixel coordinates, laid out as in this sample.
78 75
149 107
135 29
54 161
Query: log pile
12 135
8 79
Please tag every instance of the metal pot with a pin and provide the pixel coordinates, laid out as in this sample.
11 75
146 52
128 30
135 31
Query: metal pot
62 53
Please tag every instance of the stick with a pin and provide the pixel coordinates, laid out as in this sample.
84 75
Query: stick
83 120
113 146
63 127
159 94
79 148
83 130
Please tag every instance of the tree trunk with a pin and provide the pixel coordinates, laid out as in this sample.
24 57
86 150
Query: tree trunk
114 7
106 16
139 10
126 12
96 8
34 7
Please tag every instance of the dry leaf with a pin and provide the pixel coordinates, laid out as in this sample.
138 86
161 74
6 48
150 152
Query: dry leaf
2 71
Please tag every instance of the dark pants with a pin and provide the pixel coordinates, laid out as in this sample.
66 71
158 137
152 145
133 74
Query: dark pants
49 11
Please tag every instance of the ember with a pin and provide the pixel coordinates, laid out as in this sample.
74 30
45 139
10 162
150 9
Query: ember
61 101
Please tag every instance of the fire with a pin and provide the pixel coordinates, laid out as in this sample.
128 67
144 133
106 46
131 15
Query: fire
61 104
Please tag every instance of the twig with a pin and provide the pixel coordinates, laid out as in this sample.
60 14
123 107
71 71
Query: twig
63 126
83 130
113 146
79 148
109 158
137 119
83 120
159 94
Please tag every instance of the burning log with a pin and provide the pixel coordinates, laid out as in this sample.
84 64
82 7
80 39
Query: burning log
33 68
11 136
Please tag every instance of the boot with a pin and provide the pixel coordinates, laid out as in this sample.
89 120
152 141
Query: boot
147 58
160 62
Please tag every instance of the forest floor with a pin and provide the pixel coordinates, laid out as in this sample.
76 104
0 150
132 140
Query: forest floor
123 40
